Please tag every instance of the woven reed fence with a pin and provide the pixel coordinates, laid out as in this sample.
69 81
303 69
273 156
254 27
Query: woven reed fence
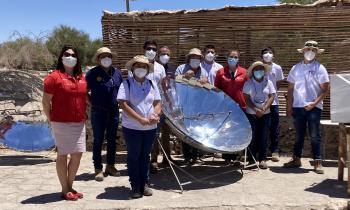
249 29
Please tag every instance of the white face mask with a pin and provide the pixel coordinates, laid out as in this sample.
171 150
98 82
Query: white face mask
268 57
210 57
106 62
150 54
194 63
309 55
164 59
140 72
69 61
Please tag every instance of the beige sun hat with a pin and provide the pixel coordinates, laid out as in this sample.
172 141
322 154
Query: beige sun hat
194 51
267 68
311 44
139 59
101 51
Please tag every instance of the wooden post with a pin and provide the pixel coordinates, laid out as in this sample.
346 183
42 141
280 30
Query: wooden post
347 130
127 5
341 151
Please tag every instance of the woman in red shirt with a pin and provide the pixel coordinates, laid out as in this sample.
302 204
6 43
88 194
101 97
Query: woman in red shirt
64 103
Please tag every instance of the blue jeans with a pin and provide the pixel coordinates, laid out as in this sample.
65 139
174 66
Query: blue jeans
310 119
104 124
139 145
259 140
274 128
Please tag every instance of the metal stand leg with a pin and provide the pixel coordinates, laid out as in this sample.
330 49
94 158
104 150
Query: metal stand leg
245 160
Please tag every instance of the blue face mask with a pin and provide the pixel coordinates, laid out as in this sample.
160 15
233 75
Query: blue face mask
232 61
258 74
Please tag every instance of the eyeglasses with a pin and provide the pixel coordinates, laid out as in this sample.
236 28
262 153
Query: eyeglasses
151 48
311 45
67 54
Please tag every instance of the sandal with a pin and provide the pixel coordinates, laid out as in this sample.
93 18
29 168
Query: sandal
69 196
78 194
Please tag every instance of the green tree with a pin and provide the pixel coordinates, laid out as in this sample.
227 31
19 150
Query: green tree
297 1
63 35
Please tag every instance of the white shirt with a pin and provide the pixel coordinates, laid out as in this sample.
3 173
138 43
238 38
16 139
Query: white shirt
275 75
259 93
211 70
157 75
307 79
140 97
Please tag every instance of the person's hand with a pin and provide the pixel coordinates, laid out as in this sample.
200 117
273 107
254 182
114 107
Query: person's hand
189 74
289 112
144 121
203 80
310 106
259 112
154 118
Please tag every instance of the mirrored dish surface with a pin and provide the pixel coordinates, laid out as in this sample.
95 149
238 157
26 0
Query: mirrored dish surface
206 119
28 137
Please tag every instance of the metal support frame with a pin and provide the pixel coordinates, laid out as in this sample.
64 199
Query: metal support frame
195 179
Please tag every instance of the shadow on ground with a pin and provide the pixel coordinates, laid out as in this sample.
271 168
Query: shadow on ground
43 199
331 187
210 175
282 170
22 160
115 193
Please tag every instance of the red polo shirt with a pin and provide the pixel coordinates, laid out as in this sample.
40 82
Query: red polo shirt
232 86
69 96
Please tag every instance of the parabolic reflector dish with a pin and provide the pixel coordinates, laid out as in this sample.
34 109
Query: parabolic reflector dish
28 137
203 117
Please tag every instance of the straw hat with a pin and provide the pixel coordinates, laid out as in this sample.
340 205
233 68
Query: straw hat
267 68
194 51
311 44
139 59
101 51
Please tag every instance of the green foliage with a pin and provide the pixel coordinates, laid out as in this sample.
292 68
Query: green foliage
297 1
63 35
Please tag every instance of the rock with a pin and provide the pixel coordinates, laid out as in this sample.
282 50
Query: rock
31 106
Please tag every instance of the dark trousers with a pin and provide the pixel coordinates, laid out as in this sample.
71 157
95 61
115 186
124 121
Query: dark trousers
104 124
274 128
258 145
163 130
139 145
307 119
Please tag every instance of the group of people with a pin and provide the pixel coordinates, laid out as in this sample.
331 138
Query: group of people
67 92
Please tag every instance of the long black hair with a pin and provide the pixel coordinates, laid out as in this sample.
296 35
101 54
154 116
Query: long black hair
77 68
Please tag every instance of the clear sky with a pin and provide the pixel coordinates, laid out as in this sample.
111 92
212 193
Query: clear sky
36 16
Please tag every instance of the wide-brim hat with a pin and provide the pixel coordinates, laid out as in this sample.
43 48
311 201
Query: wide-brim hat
313 45
101 51
267 68
194 51
139 59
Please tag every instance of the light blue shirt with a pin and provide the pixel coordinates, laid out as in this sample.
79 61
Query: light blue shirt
140 97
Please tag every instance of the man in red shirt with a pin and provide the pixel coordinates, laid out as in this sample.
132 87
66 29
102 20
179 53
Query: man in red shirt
231 79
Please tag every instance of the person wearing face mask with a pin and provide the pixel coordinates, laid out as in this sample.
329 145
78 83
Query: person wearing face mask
163 128
308 83
209 63
231 79
103 85
151 48
64 104
192 67
259 94
139 98
276 77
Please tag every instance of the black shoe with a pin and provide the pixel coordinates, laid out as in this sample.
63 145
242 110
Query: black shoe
135 194
153 168
147 191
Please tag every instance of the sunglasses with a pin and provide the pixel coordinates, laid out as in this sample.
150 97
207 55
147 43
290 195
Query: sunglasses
311 45
151 48
66 54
